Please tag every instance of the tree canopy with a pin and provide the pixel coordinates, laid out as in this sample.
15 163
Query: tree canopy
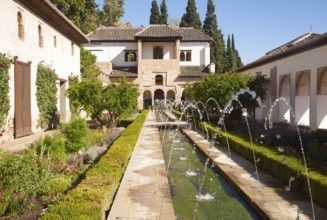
191 18
82 13
164 12
217 47
155 17
112 12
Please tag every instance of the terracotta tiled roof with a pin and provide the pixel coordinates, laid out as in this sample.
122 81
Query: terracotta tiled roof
123 71
153 31
194 71
114 34
192 34
161 31
303 43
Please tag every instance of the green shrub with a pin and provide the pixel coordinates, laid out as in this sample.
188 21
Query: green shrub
95 137
320 135
76 134
93 196
317 151
51 146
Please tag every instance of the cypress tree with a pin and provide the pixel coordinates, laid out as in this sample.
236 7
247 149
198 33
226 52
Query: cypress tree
191 18
164 12
237 59
217 47
230 58
155 17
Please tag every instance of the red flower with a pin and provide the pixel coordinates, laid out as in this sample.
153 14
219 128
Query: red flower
1 134
1 65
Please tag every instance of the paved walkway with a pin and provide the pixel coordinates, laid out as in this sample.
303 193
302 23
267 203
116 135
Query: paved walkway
144 191
20 144
267 195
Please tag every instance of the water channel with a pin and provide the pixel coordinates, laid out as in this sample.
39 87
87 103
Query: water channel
217 200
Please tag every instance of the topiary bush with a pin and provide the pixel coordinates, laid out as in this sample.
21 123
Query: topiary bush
75 133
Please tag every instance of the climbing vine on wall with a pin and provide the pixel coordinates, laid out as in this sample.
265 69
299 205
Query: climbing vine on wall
5 63
46 91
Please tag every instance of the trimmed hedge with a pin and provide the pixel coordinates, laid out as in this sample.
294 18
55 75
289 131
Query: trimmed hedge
278 165
94 194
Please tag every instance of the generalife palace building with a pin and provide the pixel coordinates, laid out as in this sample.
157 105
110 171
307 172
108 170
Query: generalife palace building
159 59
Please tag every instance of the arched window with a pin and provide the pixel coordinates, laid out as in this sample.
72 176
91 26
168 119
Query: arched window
55 41
40 36
303 84
322 83
182 56
188 56
21 32
159 80
130 56
285 86
158 53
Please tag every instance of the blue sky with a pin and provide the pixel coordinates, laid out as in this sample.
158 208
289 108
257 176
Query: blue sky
258 25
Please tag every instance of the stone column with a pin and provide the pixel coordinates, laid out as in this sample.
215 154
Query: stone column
177 49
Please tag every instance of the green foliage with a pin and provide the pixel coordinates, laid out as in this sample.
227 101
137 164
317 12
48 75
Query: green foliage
274 163
163 12
320 135
46 93
155 17
75 133
317 151
51 146
5 63
191 18
112 12
93 196
73 94
82 13
115 99
88 68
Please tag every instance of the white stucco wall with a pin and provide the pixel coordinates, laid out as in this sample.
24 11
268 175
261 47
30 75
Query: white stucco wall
61 59
168 50
200 53
309 60
112 52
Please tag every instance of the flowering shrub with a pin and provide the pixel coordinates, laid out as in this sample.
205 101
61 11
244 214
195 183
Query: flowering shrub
5 63
46 93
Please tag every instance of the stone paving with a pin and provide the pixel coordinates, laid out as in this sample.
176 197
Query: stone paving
144 191
20 144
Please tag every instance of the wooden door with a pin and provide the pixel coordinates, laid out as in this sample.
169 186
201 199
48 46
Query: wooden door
23 122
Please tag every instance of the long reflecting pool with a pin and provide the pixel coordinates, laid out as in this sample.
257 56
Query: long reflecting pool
217 200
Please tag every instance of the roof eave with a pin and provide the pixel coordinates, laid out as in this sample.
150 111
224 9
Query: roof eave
47 11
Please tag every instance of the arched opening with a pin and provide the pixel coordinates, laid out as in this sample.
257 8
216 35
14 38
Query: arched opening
182 56
285 91
322 83
159 80
147 99
303 84
184 97
285 87
158 53
40 36
159 94
188 56
171 95
21 32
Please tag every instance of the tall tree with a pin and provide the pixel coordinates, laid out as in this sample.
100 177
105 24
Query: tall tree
191 18
112 12
217 47
230 58
82 13
164 12
155 17
238 60
234 64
